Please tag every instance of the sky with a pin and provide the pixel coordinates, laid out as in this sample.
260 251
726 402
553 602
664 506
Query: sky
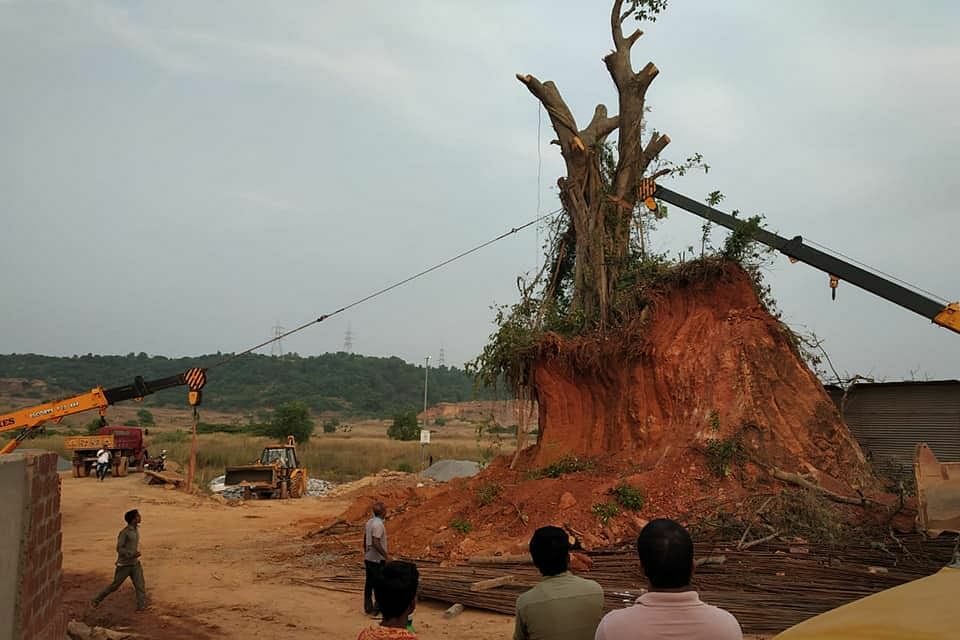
180 177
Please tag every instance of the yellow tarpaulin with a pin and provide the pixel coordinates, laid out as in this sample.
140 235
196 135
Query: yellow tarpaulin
925 609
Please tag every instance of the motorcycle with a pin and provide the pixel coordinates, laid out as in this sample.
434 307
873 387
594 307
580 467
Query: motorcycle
156 464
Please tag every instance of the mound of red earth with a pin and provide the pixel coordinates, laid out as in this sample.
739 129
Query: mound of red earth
704 400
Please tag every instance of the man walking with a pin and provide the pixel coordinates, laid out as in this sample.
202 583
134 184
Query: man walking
103 463
374 555
128 562
562 606
671 609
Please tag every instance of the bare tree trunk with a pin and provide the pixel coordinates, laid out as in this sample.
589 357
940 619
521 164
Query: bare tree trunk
600 221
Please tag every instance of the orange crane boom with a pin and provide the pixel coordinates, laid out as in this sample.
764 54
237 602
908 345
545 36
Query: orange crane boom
30 418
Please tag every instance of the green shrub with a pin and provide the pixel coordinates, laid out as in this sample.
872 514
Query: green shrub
404 426
563 466
440 421
724 455
207 427
145 418
629 497
605 511
461 525
715 420
291 419
330 426
405 467
497 428
488 492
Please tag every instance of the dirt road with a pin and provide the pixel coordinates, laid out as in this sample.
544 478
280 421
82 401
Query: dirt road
215 571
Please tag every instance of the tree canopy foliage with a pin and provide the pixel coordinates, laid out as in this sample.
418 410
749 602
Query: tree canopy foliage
404 426
341 382
290 419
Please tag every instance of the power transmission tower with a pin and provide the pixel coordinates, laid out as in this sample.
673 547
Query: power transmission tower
442 359
276 347
348 340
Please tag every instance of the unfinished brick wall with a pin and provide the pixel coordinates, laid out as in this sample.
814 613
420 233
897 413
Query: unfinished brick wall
38 612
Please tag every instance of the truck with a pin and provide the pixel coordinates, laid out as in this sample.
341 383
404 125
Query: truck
275 474
125 444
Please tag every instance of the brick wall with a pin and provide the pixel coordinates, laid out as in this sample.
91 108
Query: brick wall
39 612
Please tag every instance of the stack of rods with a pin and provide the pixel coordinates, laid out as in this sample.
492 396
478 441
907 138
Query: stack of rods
768 588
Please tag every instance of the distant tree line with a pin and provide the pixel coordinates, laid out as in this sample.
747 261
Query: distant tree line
346 383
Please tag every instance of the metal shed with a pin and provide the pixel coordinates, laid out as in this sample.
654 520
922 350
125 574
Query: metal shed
890 418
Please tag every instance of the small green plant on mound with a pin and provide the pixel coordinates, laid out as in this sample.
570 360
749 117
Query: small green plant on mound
563 466
405 467
488 492
627 496
605 511
461 525
330 426
723 456
714 420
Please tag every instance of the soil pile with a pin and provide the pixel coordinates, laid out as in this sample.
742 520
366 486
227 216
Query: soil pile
704 400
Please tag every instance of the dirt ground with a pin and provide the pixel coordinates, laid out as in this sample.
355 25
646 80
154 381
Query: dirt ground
215 571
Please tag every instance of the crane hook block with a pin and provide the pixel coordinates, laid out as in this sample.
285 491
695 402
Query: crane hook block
834 283
194 397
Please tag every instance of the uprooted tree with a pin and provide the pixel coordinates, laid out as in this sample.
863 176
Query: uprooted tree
631 353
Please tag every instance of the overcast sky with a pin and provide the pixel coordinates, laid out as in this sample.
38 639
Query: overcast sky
178 177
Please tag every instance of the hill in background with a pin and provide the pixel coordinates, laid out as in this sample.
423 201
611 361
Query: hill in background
346 383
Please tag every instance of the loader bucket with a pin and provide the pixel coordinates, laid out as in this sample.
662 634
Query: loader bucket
938 492
251 475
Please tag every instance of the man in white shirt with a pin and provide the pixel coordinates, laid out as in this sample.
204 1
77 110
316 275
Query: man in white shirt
671 609
103 463
375 555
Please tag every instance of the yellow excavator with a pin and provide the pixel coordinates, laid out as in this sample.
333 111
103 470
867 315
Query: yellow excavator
29 419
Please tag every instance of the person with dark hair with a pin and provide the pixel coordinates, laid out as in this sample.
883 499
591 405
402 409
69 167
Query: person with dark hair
396 591
671 608
562 606
375 555
128 562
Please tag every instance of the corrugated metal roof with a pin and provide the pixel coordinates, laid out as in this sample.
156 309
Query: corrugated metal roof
889 419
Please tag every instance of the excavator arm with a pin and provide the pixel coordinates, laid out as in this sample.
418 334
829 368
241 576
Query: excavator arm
30 418
944 315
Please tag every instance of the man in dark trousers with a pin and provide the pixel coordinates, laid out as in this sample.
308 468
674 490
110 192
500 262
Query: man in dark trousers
128 562
374 555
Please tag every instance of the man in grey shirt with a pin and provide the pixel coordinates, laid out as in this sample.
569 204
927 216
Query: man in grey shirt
374 555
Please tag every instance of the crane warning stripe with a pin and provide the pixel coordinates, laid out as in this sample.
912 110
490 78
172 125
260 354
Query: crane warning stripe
196 378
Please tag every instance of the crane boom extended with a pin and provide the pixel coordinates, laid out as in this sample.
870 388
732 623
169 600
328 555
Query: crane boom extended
30 418
944 315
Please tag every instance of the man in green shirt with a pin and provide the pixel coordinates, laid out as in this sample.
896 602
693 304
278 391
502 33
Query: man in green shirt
128 562
562 606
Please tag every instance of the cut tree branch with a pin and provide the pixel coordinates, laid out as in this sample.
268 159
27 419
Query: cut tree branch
653 149
560 116
600 127
800 481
